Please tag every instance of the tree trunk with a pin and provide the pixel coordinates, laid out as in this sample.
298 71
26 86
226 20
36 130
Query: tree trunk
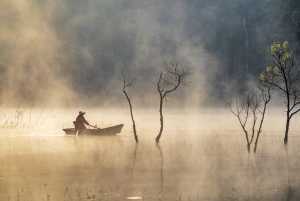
287 127
133 127
161 120
248 147
288 103
256 142
260 127
131 114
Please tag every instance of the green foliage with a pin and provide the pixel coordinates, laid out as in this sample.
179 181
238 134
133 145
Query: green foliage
262 77
281 48
284 75
275 48
282 51
270 68
282 60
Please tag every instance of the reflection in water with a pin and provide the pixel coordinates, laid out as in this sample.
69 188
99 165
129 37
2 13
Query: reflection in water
161 155
134 160
213 165
134 198
133 195
289 190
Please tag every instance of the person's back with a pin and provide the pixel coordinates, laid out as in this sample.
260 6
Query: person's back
80 122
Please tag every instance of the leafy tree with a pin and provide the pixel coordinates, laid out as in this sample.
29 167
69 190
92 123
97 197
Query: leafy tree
284 75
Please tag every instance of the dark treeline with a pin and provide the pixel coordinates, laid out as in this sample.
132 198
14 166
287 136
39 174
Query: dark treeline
236 32
240 33
83 45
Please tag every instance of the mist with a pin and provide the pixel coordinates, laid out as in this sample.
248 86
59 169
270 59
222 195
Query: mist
66 53
61 56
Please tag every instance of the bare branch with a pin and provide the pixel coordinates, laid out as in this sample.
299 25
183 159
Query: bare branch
178 76
127 84
158 85
285 78
275 85
266 94
250 113
240 108
168 82
295 112
254 108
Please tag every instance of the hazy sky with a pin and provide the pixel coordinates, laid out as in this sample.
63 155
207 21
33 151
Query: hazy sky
69 51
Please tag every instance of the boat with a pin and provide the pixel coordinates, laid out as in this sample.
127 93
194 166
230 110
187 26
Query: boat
113 130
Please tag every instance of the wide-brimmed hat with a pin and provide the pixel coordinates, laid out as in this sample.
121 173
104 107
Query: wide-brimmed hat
81 113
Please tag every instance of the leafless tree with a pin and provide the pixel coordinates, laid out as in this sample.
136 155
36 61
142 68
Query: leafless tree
284 75
240 107
250 110
168 82
127 84
266 98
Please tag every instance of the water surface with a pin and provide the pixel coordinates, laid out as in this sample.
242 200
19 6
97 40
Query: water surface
202 156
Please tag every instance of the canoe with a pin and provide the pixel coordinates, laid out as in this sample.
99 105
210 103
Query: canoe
113 130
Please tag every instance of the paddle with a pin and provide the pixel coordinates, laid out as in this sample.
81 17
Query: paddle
94 126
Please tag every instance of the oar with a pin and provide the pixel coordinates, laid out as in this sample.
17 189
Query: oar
94 126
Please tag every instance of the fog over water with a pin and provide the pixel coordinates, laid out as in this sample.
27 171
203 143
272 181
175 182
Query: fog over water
202 156
58 57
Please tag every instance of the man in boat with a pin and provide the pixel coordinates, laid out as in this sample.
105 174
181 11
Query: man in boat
80 123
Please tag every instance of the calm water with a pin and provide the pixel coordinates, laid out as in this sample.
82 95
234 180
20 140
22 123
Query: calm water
202 156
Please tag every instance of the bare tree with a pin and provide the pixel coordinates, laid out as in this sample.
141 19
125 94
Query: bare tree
250 110
284 75
240 107
266 98
168 82
127 84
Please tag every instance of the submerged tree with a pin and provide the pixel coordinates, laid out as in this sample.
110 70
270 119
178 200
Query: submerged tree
127 84
265 93
168 82
284 75
240 107
250 110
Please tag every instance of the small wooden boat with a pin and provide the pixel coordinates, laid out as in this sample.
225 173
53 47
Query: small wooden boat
113 130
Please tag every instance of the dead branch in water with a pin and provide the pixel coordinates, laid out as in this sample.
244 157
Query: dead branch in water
251 107
127 84
169 81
